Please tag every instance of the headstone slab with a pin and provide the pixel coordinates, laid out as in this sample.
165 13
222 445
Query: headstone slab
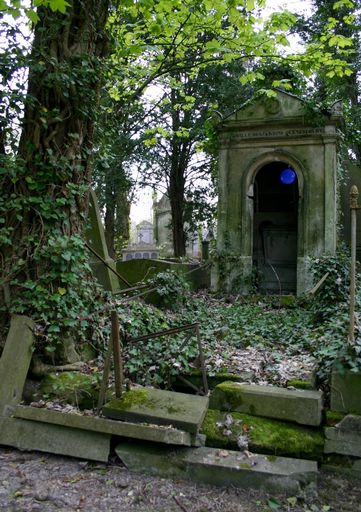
15 363
342 442
160 407
96 239
350 423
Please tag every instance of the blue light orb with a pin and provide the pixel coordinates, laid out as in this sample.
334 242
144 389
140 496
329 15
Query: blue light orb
288 176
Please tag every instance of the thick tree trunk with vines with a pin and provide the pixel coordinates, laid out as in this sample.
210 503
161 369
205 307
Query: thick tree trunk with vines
47 189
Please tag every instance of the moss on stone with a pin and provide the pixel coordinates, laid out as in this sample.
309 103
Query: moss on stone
334 417
267 436
231 394
300 384
196 378
131 398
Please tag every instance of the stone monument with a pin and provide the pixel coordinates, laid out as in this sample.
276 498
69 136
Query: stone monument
277 194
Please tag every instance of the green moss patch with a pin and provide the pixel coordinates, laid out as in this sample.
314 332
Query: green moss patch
73 388
300 384
334 417
265 435
132 398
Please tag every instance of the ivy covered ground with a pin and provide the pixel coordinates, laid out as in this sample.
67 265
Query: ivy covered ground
258 337
276 339
265 339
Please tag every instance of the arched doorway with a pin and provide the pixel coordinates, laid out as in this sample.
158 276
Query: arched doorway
275 221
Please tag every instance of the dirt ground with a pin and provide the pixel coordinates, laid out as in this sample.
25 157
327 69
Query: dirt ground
32 481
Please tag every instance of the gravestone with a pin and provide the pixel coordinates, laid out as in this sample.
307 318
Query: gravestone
15 362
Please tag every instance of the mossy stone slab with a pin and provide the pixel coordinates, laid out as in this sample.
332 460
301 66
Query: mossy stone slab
264 435
160 407
299 406
196 379
219 467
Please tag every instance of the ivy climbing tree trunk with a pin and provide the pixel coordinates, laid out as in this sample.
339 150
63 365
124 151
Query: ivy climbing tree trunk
46 187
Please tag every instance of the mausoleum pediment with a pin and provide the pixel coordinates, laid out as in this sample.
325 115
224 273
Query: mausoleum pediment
282 108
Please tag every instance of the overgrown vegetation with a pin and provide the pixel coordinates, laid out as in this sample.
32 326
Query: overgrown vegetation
306 326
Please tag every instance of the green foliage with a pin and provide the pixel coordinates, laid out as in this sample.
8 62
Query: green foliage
335 290
171 286
76 388
155 361
330 310
44 173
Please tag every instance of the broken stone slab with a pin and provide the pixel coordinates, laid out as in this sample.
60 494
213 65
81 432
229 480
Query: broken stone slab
350 423
44 437
300 406
15 362
220 467
160 407
153 433
342 442
346 391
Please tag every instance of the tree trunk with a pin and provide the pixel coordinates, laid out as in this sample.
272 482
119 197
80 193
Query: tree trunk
176 186
47 191
117 211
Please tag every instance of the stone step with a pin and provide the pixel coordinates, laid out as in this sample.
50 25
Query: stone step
299 406
159 407
220 467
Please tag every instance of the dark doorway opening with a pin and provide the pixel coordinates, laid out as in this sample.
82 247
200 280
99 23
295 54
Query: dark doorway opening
275 228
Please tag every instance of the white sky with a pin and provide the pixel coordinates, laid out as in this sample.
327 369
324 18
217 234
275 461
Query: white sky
141 208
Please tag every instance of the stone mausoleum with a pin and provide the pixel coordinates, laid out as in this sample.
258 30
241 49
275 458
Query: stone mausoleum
277 194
